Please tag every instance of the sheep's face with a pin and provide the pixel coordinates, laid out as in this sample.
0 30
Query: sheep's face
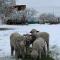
33 35
33 32
29 37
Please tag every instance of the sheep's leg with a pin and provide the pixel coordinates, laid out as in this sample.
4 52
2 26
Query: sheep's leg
45 51
12 50
48 46
16 55
39 55
27 48
23 54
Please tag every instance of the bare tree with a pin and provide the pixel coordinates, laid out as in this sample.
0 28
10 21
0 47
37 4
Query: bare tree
31 14
48 18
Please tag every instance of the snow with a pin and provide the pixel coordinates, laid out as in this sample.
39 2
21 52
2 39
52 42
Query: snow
53 30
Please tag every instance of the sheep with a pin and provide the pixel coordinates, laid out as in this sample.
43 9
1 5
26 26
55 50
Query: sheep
38 47
28 40
17 43
44 35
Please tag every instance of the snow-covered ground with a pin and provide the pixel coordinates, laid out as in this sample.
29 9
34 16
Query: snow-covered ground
53 30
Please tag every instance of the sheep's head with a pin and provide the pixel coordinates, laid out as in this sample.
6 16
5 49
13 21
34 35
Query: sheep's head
28 39
33 30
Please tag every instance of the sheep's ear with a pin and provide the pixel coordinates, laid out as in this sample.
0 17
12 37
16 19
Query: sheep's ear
37 31
30 31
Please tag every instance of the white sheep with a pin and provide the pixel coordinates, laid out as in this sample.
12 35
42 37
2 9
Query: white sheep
35 34
17 43
38 45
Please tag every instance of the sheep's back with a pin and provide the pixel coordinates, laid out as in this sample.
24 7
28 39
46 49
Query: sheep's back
15 38
44 35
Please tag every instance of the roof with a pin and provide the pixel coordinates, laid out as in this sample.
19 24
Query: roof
20 7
